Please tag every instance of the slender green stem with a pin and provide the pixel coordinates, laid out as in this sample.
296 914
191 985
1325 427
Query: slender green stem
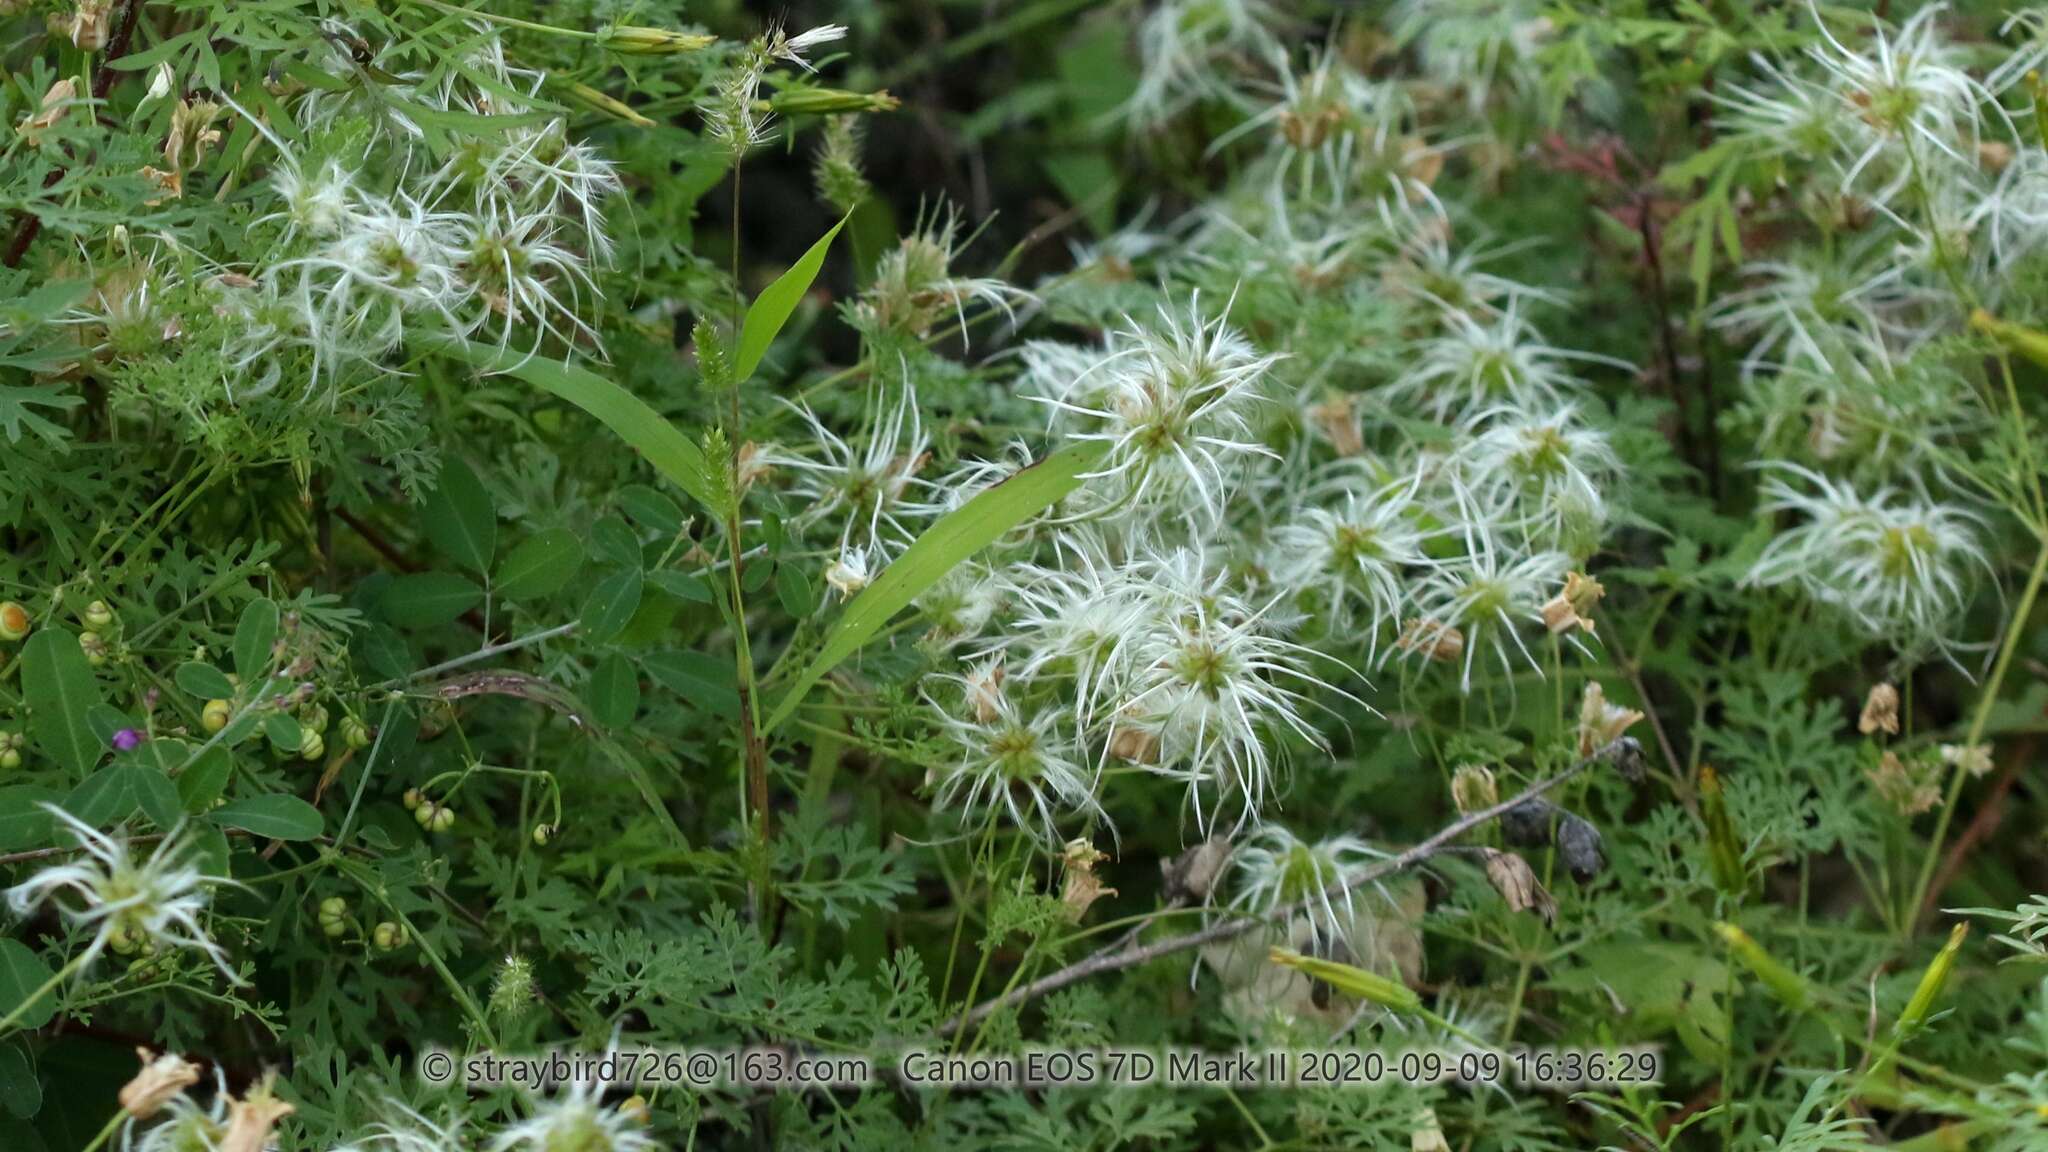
106 1130
14 1015
2007 648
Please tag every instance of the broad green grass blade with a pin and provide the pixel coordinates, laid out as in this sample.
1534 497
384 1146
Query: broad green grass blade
772 308
672 453
959 535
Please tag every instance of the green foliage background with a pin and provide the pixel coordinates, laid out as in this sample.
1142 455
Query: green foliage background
496 574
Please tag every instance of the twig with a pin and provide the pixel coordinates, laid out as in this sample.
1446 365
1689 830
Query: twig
1117 957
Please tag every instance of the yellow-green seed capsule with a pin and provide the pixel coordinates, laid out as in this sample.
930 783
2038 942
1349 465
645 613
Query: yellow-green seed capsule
312 745
94 647
638 40
444 819
1932 982
388 936
354 732
97 616
411 799
828 101
9 758
1724 850
122 939
597 101
14 621
424 813
1787 985
542 833
215 715
1370 986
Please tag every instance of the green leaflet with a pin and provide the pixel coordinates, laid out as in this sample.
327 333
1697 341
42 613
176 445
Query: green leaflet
673 454
959 535
772 308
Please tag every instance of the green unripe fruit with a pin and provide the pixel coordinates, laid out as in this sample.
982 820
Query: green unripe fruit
122 940
424 814
332 907
314 717
542 833
388 936
312 746
95 648
354 732
97 616
215 715
444 819
9 758
412 799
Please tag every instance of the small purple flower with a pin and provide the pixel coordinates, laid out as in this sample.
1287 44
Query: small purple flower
126 738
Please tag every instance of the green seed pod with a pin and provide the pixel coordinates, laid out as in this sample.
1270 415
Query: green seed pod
598 101
312 745
638 40
1370 986
314 716
1724 850
412 799
444 819
95 648
332 907
1787 985
123 940
388 936
215 715
97 616
14 621
827 101
542 833
424 813
9 758
354 733
1932 982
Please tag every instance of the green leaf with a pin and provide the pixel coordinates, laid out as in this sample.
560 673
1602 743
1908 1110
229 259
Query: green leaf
682 585
21 973
958 535
795 590
673 454
702 681
20 1093
651 508
612 542
459 519
59 688
611 604
276 816
255 632
106 797
614 691
283 732
540 565
204 779
425 599
23 823
772 308
204 681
